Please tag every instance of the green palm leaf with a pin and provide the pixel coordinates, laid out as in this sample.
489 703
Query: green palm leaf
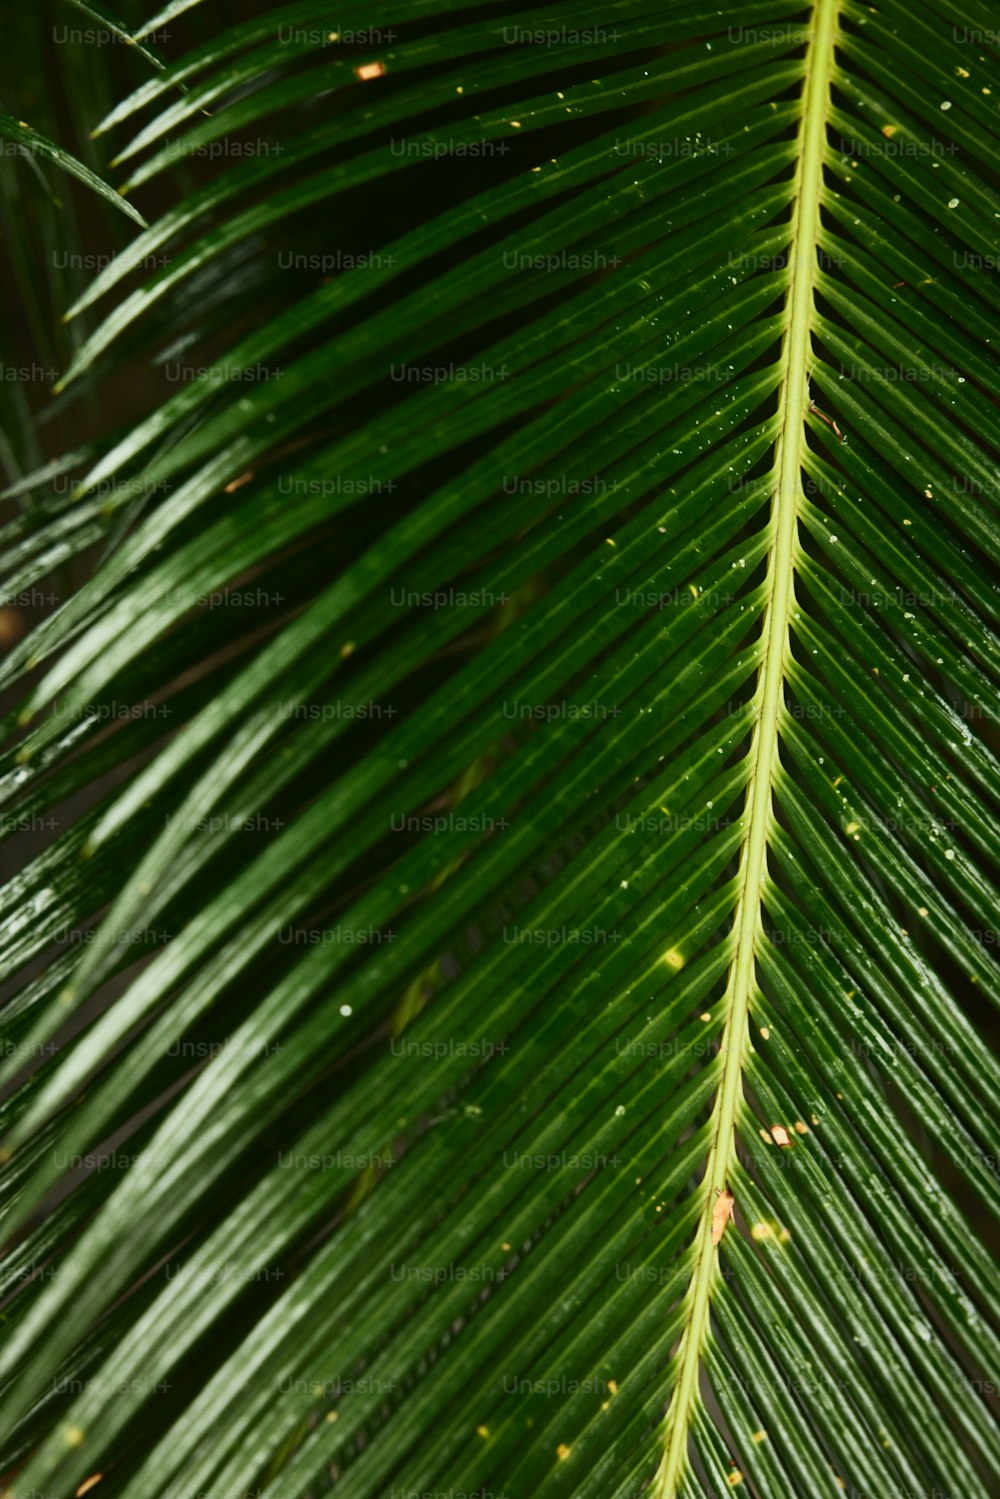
505 1005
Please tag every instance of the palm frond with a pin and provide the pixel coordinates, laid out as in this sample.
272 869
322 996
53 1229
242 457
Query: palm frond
506 1006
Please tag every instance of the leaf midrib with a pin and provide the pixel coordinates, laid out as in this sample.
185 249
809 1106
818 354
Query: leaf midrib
793 407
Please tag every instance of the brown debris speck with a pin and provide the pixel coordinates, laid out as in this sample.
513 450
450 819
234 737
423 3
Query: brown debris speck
722 1213
238 483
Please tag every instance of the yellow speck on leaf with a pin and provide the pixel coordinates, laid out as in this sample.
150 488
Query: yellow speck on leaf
760 1436
780 1136
73 1436
765 1033
482 1431
673 958
367 70
735 1477
562 1451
